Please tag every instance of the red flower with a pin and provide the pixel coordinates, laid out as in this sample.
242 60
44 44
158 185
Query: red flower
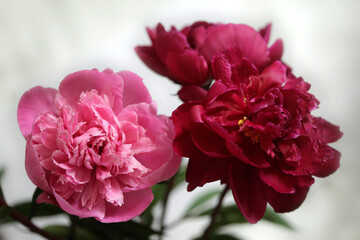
185 56
254 131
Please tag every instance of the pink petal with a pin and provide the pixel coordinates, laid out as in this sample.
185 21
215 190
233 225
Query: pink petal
149 57
34 169
134 89
247 191
74 207
35 101
167 162
134 204
105 82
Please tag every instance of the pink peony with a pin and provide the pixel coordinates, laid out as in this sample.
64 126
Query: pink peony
254 131
185 56
96 145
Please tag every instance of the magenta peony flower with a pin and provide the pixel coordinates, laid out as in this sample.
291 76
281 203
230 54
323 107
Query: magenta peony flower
254 131
96 145
185 56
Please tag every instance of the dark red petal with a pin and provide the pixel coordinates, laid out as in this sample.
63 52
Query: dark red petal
249 41
221 67
265 32
208 142
283 183
149 57
167 42
285 202
204 170
326 131
192 93
276 50
247 191
184 146
187 67
256 159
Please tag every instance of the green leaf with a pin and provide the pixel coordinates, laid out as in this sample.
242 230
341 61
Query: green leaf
200 202
4 213
34 205
42 210
117 231
180 176
231 215
63 232
274 217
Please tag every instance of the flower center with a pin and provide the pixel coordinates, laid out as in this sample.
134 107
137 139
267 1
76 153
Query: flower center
249 132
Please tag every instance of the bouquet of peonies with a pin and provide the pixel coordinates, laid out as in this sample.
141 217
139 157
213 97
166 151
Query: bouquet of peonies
98 152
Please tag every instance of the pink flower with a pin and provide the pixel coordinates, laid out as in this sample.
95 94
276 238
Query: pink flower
253 130
186 56
96 145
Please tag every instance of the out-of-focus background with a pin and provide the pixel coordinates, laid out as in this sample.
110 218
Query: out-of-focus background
42 41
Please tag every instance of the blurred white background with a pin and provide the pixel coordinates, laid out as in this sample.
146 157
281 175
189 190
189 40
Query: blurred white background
42 41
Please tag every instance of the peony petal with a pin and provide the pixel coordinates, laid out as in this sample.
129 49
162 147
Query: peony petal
134 204
256 158
187 67
106 82
285 202
265 32
276 50
209 142
34 169
167 162
247 191
149 57
134 89
35 101
326 131
250 42
221 67
192 93
75 208
205 170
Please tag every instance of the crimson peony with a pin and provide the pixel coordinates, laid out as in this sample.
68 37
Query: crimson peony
253 130
185 56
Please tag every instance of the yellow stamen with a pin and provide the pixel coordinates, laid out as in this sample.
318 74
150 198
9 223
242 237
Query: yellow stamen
242 121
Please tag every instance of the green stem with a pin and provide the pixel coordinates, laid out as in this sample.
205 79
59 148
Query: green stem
214 214
26 222
165 203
